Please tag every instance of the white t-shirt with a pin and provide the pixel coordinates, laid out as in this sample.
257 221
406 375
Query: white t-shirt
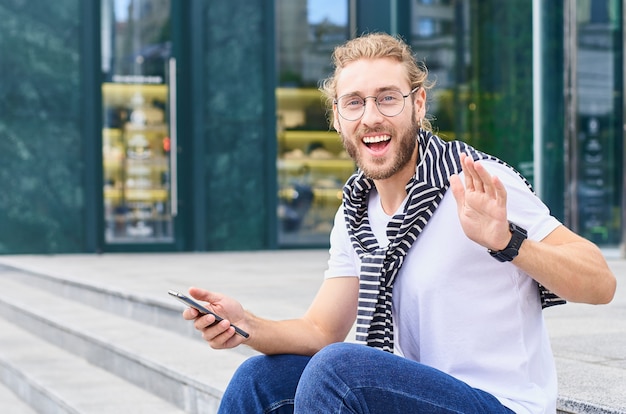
459 310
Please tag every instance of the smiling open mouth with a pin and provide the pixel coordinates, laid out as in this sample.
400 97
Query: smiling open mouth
378 142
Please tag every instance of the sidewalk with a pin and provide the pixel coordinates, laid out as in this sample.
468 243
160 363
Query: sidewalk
589 342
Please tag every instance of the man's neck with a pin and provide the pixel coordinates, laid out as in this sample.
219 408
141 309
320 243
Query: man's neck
392 191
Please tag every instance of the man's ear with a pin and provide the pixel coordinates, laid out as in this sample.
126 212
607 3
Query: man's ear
336 124
420 103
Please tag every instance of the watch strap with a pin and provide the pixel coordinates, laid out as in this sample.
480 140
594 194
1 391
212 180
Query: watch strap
518 235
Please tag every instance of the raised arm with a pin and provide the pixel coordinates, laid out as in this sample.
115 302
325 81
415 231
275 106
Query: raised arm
328 319
565 263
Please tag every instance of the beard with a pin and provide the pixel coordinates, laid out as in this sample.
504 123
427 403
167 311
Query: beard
377 169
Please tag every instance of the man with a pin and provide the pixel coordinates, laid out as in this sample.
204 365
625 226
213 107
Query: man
450 283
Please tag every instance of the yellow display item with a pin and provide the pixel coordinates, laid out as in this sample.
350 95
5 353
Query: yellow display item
135 151
312 167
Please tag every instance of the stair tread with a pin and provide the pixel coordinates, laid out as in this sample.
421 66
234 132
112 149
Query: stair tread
11 403
70 380
180 358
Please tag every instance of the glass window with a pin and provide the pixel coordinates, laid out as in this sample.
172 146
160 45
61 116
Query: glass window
312 165
479 53
136 136
425 27
599 76
444 52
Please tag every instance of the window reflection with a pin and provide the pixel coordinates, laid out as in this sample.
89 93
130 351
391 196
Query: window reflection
312 165
425 27
434 40
599 124
136 139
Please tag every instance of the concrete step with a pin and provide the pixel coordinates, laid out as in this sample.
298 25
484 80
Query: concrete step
10 402
179 369
160 311
52 380
143 305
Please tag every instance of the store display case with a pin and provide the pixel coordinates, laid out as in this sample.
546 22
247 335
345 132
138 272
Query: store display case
312 168
136 147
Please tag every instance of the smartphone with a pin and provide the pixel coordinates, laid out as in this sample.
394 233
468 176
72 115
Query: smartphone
203 310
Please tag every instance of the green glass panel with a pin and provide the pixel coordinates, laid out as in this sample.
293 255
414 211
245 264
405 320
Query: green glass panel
480 55
552 108
599 75
237 141
41 160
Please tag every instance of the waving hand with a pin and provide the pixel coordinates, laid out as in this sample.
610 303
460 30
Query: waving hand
481 205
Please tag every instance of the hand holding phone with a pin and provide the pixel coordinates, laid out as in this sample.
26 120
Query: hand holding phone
203 310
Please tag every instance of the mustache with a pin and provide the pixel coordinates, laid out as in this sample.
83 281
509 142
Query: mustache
363 131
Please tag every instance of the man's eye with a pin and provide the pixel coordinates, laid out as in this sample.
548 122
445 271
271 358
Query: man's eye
356 101
387 98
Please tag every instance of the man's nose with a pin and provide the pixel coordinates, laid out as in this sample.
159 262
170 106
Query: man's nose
371 114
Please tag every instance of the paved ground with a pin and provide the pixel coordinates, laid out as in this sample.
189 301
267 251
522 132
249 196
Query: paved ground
589 342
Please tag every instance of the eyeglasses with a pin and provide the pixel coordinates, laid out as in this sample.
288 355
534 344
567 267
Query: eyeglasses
390 103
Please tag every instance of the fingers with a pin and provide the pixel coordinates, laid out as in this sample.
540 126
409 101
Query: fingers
477 178
190 314
472 179
204 295
200 295
205 321
457 189
500 191
218 334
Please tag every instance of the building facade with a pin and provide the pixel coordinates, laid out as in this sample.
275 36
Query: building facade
160 125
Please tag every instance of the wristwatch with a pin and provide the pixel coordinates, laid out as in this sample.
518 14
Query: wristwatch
518 235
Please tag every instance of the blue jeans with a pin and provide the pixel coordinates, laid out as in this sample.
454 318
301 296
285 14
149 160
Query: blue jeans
349 378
